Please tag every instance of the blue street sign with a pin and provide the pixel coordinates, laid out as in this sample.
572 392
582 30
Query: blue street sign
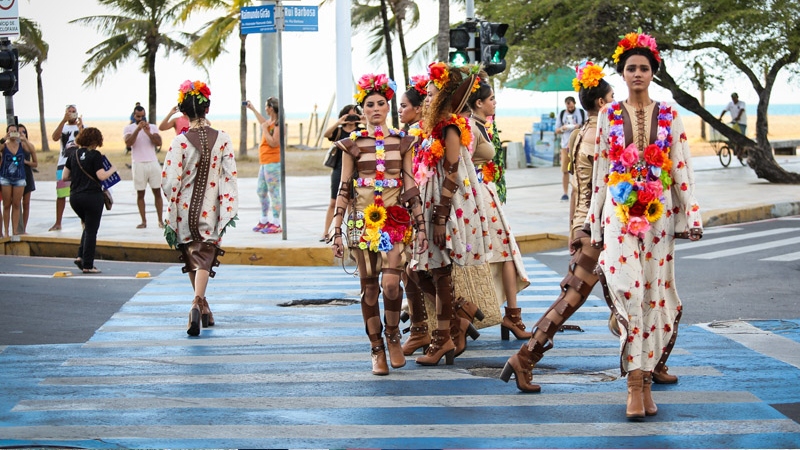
301 18
258 19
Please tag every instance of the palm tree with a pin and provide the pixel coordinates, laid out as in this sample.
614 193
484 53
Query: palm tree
136 32
443 41
33 50
211 41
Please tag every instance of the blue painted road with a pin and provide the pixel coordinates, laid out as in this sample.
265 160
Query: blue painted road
279 377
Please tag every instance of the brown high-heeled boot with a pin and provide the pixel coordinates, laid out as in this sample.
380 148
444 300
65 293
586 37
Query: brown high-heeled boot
468 310
379 366
208 316
512 321
460 328
650 407
441 345
635 404
521 365
419 338
662 377
396 356
193 329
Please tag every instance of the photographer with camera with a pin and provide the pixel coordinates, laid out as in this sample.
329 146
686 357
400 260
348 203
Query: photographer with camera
269 174
349 121
65 132
143 138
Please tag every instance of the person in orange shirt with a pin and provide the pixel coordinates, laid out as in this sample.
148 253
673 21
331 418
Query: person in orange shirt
269 175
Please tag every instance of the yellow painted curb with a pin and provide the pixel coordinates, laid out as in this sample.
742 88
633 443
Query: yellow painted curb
142 274
62 274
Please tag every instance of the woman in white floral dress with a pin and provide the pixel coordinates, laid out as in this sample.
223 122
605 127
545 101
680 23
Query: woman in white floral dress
199 181
643 189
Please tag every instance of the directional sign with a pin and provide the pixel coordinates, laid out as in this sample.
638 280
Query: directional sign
9 18
301 18
257 19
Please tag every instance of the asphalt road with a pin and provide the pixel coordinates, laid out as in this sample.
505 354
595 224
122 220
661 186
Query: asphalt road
734 272
40 309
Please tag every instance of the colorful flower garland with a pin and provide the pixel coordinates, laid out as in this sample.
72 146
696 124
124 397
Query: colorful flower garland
588 75
637 189
438 74
490 171
197 88
432 149
370 83
420 84
383 227
635 40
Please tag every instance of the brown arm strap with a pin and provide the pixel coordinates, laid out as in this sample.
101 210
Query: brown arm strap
349 146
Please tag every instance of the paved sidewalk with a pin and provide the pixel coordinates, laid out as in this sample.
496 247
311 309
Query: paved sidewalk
534 208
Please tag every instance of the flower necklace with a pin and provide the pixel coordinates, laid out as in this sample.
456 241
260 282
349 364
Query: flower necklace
379 183
637 187
431 150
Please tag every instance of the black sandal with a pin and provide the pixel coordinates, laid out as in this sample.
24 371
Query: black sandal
92 270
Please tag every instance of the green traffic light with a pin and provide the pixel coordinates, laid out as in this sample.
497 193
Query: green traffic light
458 59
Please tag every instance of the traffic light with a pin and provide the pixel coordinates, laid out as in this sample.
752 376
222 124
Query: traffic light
459 39
9 62
493 46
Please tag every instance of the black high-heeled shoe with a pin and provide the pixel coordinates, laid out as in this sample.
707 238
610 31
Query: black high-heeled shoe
195 315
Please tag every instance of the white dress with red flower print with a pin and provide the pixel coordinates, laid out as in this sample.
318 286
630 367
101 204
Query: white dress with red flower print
220 204
640 269
466 231
503 244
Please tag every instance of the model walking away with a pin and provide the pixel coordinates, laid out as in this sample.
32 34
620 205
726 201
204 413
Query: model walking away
448 183
378 224
594 93
506 264
199 181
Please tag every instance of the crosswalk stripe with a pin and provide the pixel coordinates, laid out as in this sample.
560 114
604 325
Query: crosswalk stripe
784 258
213 341
734 238
764 342
394 401
323 357
401 431
746 249
718 230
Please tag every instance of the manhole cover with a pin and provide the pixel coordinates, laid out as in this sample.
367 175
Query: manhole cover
320 302
552 376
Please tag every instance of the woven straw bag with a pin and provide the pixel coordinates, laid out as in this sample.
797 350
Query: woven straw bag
474 283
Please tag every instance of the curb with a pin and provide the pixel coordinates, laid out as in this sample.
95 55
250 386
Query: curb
321 255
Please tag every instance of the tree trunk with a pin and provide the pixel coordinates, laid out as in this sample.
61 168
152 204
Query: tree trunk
243 89
45 144
399 16
151 70
443 41
760 157
388 41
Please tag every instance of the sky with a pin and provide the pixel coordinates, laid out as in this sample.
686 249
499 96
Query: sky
309 61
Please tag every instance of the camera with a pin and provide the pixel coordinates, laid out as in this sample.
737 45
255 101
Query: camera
73 116
352 118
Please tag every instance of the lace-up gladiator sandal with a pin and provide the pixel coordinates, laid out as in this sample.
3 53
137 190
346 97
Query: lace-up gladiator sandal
521 366
512 321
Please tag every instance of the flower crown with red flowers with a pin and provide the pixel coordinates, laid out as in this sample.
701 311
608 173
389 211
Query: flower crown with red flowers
194 88
370 83
636 40
420 84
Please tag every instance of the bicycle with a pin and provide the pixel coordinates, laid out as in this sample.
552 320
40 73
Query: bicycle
725 149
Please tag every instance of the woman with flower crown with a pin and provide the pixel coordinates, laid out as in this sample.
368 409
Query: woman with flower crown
378 223
443 169
643 200
199 181
594 93
506 265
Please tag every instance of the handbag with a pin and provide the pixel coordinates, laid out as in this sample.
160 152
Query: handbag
108 200
474 283
330 158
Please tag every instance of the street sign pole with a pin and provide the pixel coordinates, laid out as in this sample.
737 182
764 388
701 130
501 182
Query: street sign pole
279 25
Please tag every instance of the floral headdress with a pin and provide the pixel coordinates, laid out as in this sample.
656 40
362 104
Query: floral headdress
370 83
439 74
636 40
587 75
194 88
420 84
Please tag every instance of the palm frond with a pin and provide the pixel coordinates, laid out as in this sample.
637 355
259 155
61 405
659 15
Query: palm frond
31 45
104 24
212 37
364 15
109 54
425 52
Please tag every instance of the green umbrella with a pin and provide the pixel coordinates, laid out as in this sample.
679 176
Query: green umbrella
558 80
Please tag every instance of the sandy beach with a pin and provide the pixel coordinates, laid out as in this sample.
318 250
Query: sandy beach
309 162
